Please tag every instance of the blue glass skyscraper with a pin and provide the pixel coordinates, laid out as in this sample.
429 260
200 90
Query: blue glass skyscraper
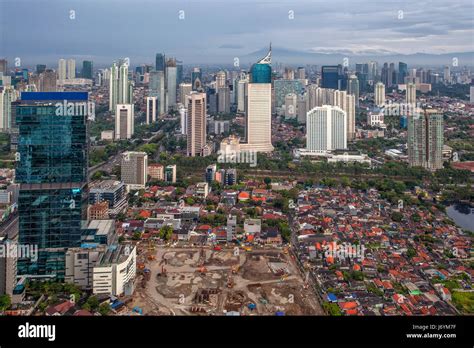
261 72
331 76
52 173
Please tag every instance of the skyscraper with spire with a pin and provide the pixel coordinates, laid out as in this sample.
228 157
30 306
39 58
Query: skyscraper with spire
258 131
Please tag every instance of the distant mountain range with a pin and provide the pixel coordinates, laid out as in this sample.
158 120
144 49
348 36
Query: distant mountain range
288 56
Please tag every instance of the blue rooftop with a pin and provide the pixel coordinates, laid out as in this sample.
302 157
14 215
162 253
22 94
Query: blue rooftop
69 96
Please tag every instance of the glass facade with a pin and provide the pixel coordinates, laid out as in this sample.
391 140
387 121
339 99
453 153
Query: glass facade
331 76
261 73
52 173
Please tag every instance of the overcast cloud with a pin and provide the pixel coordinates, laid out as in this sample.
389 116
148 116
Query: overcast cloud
219 30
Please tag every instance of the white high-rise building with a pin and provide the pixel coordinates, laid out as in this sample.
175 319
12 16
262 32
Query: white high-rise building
7 96
124 85
150 110
134 169
183 114
120 87
471 94
196 124
411 93
259 118
113 87
71 69
124 121
380 94
326 129
62 70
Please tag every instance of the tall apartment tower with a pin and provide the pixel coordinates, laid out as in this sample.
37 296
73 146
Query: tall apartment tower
52 173
150 110
134 169
259 107
7 96
326 129
379 94
71 69
196 123
411 94
120 87
426 140
62 70
124 121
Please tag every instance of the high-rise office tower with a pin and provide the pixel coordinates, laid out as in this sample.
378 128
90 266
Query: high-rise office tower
134 169
113 86
326 129
52 173
179 72
392 75
349 109
196 79
123 85
447 75
426 140
196 124
241 93
301 73
48 81
160 62
302 108
353 87
183 117
171 76
331 76
223 93
411 94
71 69
184 90
372 71
124 121
62 70
379 94
402 72
87 70
289 74
40 68
3 66
157 89
7 96
471 94
259 107
150 110
120 86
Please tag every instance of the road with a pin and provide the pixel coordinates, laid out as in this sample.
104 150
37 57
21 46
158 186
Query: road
115 160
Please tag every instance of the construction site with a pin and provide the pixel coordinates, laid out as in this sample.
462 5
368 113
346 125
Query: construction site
221 281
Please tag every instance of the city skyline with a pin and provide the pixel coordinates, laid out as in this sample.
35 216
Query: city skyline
304 27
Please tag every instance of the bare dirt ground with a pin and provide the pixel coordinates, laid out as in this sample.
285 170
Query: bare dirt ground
202 281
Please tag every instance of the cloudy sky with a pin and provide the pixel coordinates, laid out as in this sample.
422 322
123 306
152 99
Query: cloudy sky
198 31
